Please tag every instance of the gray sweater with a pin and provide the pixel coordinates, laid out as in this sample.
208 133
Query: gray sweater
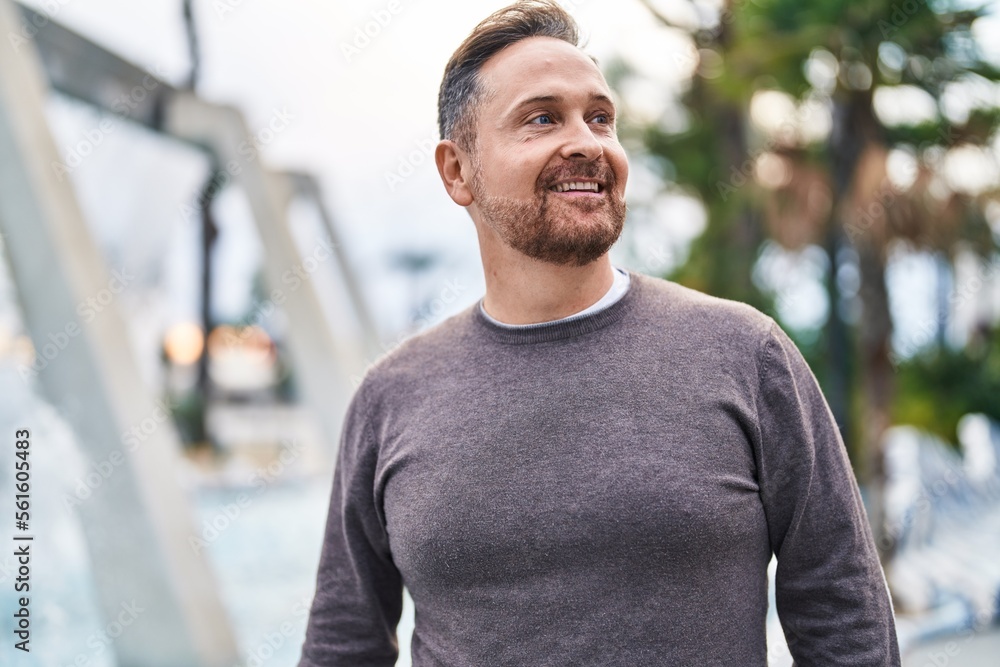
600 491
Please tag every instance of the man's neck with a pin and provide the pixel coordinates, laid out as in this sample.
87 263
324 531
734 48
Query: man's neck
528 292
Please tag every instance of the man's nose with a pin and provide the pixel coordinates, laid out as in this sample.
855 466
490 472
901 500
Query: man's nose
580 142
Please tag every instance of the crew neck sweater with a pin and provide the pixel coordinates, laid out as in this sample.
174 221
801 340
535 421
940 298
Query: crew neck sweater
604 491
617 290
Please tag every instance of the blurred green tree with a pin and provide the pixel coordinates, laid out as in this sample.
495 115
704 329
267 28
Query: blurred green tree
784 142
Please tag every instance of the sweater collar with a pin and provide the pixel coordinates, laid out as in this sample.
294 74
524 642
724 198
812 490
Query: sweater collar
550 331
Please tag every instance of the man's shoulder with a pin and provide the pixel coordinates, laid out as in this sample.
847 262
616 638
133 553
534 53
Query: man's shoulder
685 309
415 355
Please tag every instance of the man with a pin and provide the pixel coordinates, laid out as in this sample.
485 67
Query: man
590 466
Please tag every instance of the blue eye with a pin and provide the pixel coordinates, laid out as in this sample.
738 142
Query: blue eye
544 115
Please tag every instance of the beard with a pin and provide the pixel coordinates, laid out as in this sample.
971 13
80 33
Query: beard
553 229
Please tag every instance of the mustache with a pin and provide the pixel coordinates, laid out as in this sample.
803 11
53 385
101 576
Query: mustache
597 170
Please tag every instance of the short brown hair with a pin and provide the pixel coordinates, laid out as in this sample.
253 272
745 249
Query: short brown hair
462 91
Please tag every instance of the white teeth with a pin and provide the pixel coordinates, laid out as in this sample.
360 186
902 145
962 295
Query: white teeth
576 185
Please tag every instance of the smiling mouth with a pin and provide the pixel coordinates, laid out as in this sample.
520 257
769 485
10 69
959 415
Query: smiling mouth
578 188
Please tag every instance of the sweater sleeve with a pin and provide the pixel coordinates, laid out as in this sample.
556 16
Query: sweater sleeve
831 594
359 591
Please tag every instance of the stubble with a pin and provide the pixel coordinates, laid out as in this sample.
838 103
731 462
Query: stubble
552 229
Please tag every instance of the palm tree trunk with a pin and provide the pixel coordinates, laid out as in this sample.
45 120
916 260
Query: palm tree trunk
855 128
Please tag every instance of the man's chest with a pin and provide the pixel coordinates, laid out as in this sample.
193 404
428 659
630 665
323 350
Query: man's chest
530 481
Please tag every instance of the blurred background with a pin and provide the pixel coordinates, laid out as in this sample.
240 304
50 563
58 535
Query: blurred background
215 214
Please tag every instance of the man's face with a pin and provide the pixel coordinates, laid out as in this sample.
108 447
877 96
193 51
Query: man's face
549 126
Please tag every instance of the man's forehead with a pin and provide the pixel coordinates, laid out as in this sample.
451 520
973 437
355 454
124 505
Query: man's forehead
537 52
543 67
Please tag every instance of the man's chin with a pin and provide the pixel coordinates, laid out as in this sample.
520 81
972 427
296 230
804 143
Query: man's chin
571 256
558 232
578 244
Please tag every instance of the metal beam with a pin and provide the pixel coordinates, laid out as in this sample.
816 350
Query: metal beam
77 67
86 71
137 522
323 367
306 185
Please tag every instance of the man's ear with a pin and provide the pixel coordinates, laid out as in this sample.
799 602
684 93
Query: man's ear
454 168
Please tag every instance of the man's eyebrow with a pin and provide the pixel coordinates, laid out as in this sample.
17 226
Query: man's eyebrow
595 97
